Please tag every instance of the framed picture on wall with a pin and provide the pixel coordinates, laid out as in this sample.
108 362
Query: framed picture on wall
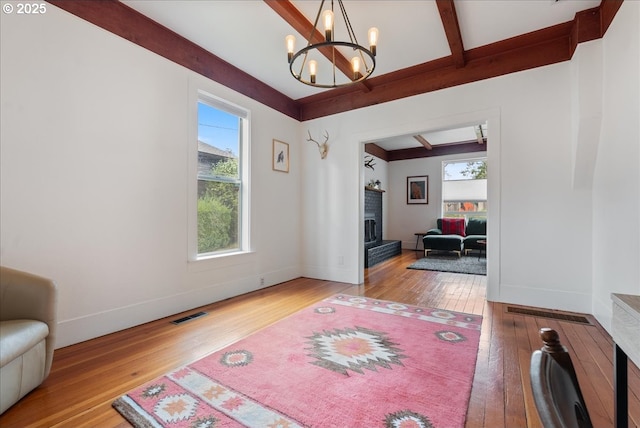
280 159
418 189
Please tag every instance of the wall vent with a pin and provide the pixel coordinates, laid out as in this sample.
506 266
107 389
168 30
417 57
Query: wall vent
189 318
546 314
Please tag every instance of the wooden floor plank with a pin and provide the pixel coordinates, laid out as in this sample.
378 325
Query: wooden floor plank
514 396
525 348
87 377
476 410
495 398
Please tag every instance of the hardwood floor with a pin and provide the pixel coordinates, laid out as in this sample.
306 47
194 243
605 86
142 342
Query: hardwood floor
87 377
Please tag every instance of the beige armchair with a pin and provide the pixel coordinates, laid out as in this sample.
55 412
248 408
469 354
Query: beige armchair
27 333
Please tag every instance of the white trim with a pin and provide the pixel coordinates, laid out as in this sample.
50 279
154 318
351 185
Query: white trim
221 104
79 329
492 118
546 298
198 94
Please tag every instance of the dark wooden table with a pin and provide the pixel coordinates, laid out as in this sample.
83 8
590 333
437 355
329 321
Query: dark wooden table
419 237
483 247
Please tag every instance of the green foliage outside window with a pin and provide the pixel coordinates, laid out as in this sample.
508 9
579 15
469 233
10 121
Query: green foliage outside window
218 208
214 221
475 170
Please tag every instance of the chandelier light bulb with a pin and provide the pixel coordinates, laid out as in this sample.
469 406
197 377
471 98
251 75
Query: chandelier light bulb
355 65
313 68
373 39
291 45
354 70
327 18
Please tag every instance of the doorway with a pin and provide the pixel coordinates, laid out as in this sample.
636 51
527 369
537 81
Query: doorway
397 209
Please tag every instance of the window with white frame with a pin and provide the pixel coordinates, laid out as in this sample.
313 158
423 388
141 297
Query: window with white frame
222 134
464 188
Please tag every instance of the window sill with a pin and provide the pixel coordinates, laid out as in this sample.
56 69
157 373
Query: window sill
217 261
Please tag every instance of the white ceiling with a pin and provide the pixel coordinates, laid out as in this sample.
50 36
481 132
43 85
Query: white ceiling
250 35
434 138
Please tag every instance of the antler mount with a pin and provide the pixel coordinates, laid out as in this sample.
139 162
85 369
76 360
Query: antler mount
322 147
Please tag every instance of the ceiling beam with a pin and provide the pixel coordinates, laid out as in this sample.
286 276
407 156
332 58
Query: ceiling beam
536 49
591 24
608 10
482 63
439 150
376 150
452 30
547 46
420 152
423 141
302 25
479 134
133 26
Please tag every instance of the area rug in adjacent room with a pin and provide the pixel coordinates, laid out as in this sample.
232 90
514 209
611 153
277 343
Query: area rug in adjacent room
448 263
343 362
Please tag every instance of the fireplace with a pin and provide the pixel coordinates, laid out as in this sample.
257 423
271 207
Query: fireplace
376 250
370 227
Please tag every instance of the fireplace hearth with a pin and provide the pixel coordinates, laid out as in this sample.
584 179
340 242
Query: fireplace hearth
375 248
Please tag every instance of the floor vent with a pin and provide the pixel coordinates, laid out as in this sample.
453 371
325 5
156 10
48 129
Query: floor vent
189 318
546 314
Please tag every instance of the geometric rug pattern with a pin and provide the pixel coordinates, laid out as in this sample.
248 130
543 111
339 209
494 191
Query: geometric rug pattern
346 361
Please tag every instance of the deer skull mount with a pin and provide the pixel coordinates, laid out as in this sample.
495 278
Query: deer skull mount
323 147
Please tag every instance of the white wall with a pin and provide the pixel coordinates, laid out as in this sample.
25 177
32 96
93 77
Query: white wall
564 197
539 224
94 178
93 157
616 181
408 219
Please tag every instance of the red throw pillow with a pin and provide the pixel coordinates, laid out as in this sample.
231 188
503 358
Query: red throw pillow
453 226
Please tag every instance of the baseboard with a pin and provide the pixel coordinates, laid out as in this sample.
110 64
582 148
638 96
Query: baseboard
603 311
411 245
331 274
88 327
545 298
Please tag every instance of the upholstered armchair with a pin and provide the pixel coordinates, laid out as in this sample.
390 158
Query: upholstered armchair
476 230
27 333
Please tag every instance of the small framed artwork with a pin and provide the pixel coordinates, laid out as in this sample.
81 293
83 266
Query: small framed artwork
280 156
418 189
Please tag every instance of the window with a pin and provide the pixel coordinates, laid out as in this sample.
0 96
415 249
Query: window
464 188
222 131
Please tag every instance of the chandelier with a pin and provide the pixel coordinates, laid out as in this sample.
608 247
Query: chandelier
316 63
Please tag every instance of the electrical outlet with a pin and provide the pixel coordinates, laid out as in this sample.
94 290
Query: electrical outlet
261 281
340 260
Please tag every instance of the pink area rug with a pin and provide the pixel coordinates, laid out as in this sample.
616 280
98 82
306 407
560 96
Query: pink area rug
344 362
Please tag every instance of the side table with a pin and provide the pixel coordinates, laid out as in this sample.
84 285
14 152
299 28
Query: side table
483 247
419 237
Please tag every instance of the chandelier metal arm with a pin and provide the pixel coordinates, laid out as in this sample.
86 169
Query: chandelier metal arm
354 40
331 46
334 56
314 30
302 25
345 17
326 46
